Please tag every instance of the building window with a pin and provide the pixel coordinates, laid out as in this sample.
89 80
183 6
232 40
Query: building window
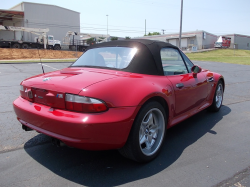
247 44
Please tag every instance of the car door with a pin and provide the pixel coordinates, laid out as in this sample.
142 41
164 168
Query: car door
190 91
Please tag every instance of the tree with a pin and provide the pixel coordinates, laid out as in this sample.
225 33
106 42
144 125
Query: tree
91 41
153 33
101 39
114 38
127 38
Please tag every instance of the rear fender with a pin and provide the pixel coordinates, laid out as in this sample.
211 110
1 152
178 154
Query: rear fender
132 91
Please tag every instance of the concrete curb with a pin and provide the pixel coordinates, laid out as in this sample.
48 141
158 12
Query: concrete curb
30 61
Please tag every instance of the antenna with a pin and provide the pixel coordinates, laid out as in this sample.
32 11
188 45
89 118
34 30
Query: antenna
40 61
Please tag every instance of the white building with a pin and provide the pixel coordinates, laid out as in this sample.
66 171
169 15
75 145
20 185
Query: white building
34 15
200 39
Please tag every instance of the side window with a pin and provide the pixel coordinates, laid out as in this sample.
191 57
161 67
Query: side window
172 62
188 62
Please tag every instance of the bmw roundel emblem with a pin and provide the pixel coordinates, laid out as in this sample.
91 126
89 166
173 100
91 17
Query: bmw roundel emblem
46 79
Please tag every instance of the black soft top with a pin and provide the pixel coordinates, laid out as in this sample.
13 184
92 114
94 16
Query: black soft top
147 59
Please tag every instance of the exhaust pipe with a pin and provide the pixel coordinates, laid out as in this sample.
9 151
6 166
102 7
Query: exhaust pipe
57 142
26 128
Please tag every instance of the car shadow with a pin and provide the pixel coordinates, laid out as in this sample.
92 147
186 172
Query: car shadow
109 168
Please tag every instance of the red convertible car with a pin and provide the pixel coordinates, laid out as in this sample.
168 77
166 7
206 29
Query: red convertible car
119 95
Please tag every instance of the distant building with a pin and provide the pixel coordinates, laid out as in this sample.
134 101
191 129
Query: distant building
34 15
199 39
239 41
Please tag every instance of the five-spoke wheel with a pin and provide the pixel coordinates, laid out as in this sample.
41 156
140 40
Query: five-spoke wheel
147 133
218 98
151 131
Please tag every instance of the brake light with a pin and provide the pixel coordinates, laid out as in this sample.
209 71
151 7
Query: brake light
21 88
84 104
26 93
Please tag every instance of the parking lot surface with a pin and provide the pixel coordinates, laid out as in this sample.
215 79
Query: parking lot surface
204 150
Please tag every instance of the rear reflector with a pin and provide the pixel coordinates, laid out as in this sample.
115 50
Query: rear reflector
84 104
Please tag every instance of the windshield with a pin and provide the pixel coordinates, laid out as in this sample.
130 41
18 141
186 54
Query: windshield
112 57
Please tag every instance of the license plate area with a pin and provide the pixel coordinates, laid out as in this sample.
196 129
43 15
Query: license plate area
40 96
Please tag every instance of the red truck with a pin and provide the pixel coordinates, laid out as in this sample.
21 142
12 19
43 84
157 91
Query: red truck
222 42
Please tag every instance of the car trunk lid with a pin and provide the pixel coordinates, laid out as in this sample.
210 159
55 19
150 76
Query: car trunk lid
50 89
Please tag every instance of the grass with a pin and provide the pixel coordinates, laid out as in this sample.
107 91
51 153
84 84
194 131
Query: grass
223 55
220 55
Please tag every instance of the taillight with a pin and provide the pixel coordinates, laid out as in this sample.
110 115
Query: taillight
26 93
21 88
84 104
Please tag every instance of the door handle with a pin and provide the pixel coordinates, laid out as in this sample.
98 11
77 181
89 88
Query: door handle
179 85
210 79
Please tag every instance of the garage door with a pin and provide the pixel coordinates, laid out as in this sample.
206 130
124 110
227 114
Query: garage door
184 42
173 42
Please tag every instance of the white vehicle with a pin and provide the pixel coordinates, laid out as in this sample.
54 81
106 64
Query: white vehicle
82 44
42 41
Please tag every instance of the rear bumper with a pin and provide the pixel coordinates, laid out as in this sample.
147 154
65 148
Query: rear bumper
99 131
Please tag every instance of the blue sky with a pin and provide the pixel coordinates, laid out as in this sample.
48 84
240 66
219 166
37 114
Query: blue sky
127 17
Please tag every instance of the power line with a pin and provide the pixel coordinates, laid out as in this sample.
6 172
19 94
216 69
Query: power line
73 27
150 28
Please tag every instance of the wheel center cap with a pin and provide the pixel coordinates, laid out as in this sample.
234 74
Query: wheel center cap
146 131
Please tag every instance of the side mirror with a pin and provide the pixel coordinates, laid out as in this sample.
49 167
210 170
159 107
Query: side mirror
196 69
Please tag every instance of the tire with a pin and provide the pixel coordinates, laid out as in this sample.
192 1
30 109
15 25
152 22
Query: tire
25 46
147 133
57 47
16 46
73 48
83 49
218 98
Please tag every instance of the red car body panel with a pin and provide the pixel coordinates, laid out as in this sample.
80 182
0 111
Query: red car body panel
124 93
107 130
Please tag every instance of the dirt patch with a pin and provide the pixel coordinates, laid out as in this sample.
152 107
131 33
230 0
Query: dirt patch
15 54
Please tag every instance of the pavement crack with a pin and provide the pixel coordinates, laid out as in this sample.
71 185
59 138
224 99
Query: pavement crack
22 147
237 83
234 179
238 102
5 112
17 68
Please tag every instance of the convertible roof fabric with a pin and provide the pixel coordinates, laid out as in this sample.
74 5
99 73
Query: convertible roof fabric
147 59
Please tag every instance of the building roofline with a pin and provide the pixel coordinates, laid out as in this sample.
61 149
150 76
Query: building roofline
173 34
44 4
235 34
15 5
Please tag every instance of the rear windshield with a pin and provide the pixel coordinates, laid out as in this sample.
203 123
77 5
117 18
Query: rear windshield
111 57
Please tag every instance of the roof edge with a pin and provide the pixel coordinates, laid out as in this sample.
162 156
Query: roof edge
16 5
45 4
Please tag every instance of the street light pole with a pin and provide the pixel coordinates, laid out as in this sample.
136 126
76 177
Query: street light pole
180 25
107 26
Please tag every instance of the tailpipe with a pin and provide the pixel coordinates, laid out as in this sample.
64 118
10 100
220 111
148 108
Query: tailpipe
26 128
57 142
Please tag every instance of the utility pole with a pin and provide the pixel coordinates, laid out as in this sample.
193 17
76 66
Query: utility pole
163 30
107 26
145 28
180 25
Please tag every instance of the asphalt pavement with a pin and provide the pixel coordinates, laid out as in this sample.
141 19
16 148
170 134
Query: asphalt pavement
208 149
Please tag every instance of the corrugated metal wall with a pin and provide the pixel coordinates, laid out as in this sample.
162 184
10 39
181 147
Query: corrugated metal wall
243 42
208 41
58 20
